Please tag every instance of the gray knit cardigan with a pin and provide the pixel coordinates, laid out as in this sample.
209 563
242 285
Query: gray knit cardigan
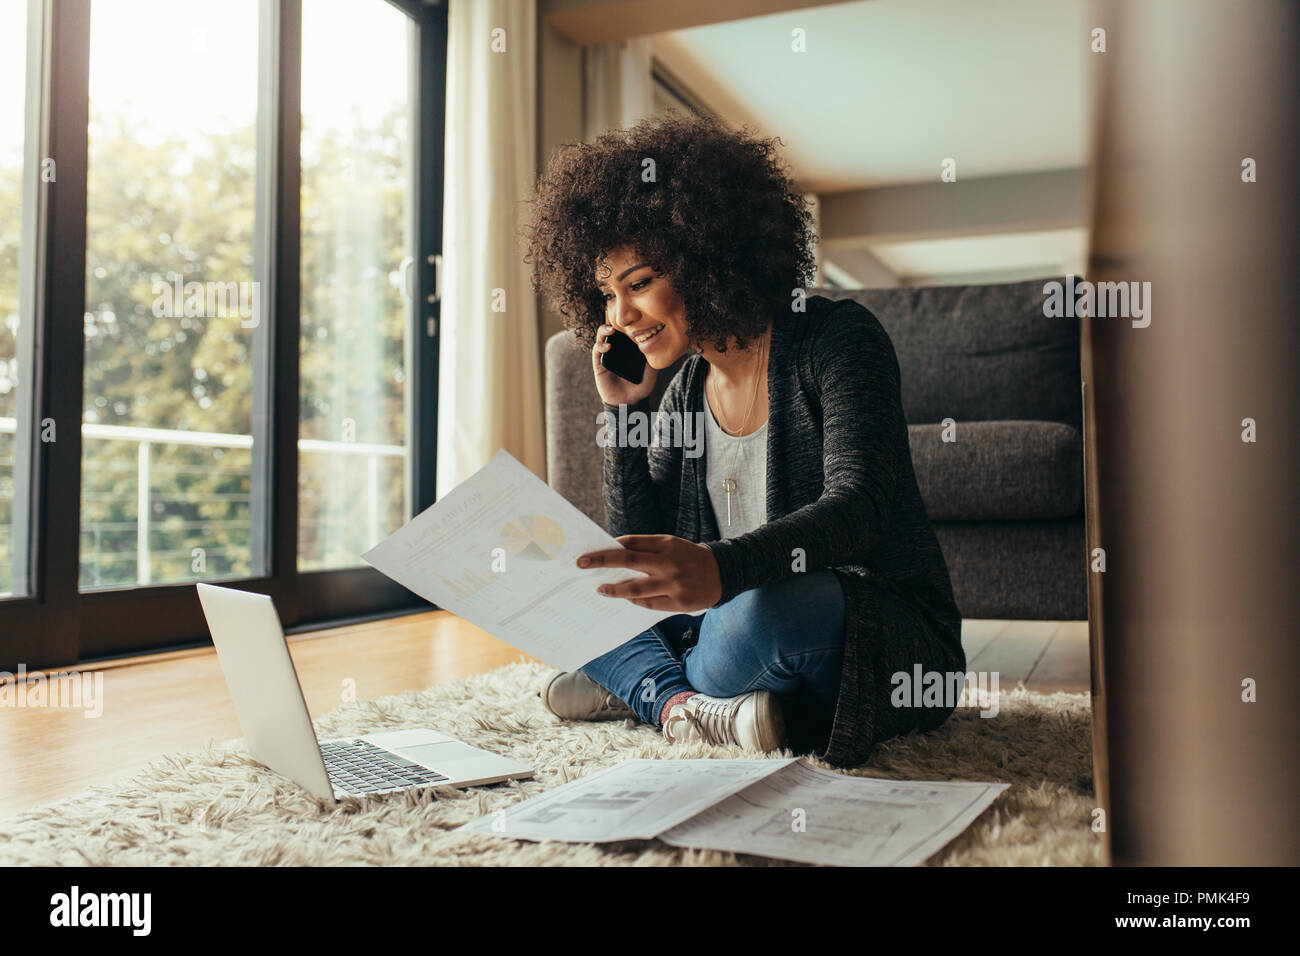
841 494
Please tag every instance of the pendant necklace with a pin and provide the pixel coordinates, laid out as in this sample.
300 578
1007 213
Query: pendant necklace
729 477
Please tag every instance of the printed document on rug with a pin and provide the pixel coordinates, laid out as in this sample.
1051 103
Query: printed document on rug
786 809
634 800
498 550
812 815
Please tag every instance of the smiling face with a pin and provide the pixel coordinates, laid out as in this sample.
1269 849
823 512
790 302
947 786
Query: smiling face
643 306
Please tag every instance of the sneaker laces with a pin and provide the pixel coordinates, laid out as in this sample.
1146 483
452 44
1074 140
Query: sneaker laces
712 719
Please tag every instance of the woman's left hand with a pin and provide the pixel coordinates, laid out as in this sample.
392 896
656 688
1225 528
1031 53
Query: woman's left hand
680 576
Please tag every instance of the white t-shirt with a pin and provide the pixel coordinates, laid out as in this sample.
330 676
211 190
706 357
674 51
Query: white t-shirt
745 460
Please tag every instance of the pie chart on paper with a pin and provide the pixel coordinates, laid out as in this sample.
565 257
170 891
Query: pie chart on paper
533 537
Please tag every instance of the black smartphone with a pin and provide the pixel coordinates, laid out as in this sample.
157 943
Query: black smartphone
624 359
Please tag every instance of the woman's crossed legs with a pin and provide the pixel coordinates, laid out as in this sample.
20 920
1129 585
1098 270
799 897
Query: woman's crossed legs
787 638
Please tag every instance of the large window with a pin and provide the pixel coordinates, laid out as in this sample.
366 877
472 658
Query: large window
171 296
218 231
357 257
16 209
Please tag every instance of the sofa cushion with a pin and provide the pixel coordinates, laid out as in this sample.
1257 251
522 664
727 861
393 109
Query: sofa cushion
1017 570
1016 470
979 353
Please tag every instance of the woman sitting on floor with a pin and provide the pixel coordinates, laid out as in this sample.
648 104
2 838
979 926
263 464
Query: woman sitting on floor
800 532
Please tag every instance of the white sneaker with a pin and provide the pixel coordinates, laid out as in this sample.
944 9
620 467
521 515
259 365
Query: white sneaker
573 695
752 721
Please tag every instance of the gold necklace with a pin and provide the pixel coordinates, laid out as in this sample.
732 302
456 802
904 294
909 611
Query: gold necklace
729 477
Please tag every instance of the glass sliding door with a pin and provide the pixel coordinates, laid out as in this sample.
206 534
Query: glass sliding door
20 179
357 272
218 328
173 297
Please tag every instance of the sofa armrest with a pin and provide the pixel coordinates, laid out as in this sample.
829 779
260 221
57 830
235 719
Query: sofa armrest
573 460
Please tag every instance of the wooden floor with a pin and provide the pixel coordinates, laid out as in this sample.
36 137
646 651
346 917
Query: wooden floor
154 705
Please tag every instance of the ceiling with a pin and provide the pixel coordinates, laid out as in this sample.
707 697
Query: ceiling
889 89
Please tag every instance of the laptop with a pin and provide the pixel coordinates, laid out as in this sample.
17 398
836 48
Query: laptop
277 728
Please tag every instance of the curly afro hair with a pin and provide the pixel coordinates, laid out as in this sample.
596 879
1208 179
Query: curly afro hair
716 211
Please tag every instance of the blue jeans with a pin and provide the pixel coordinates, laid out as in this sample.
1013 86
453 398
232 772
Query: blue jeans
787 638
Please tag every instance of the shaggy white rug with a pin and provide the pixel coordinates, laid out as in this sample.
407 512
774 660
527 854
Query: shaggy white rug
218 807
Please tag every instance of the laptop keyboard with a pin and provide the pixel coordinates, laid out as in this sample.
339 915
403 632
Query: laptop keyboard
357 767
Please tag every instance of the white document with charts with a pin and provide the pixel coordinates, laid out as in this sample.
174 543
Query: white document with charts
787 809
498 550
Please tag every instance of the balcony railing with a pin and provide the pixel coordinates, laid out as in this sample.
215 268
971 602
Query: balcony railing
146 438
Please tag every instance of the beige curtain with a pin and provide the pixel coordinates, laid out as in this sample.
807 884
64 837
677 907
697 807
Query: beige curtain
490 390
618 87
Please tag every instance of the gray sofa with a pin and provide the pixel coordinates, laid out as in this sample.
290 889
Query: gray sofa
1005 498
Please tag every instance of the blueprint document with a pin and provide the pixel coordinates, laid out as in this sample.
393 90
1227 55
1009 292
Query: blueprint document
498 550
788 809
